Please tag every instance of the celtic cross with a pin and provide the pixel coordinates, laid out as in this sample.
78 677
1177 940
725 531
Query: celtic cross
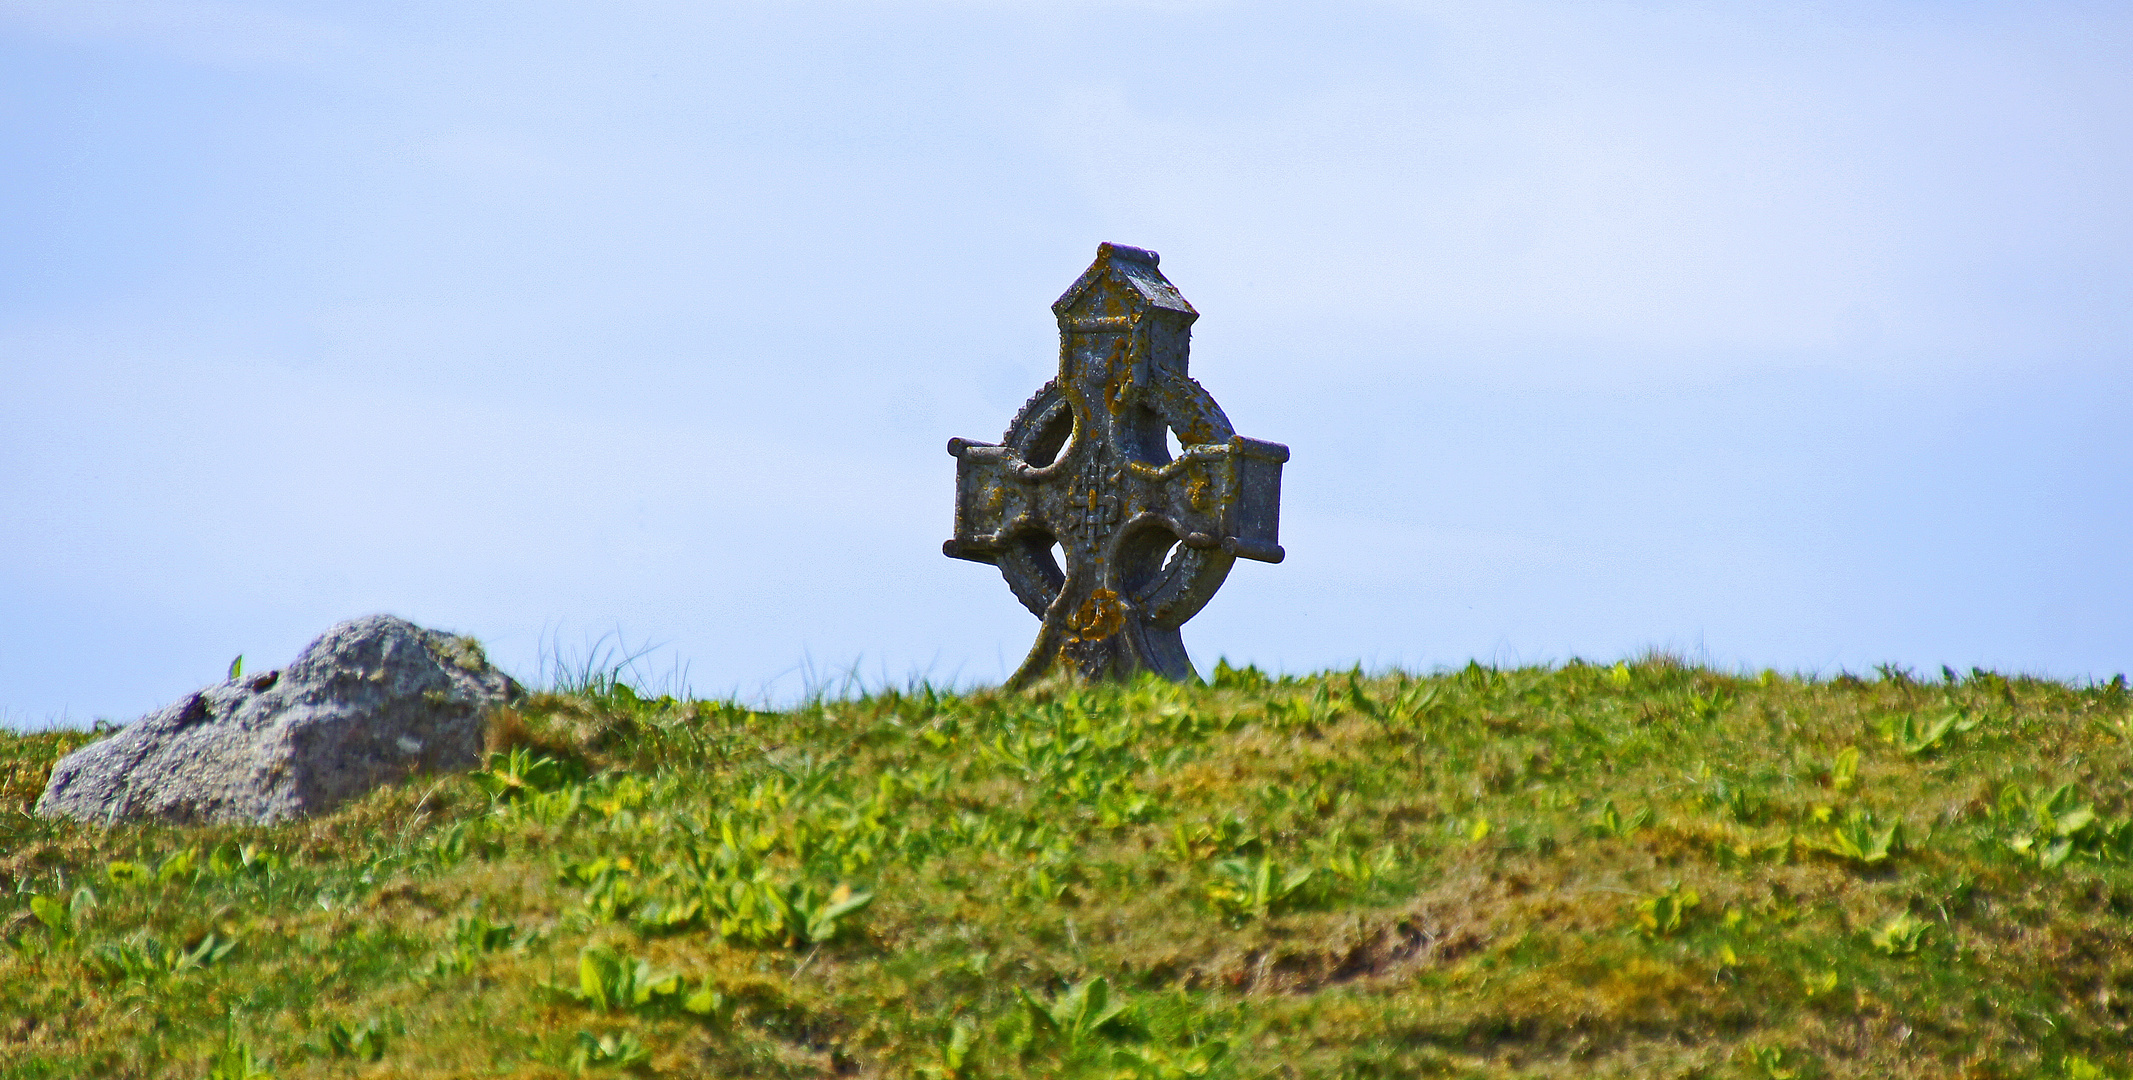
1146 539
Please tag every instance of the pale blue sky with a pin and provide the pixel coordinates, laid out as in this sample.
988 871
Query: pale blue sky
1783 335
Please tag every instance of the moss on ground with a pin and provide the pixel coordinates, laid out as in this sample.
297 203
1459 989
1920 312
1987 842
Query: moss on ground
1645 869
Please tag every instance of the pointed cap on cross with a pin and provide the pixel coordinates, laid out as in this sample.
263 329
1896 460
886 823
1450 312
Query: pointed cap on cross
1123 281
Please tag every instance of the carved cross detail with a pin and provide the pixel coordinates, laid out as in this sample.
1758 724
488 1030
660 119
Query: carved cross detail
1146 539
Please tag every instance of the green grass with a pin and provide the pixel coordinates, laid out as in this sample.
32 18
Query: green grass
1648 869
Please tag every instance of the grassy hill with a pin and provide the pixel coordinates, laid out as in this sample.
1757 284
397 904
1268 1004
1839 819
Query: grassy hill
1649 869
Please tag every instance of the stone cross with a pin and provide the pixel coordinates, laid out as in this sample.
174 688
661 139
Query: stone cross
1145 539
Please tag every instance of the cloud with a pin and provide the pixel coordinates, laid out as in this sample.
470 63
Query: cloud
1649 185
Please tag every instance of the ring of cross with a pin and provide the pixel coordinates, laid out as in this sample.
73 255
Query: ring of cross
1149 560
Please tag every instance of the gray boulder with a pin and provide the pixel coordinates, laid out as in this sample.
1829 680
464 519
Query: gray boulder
372 701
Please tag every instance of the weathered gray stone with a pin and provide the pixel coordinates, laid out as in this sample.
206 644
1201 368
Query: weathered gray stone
372 701
1085 468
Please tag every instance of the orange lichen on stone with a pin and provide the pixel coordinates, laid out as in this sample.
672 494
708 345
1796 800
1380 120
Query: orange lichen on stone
1100 616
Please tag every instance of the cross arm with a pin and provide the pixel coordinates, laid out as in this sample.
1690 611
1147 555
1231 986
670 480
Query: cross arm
1219 495
995 500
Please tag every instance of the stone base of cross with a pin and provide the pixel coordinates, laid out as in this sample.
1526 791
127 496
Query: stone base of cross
1099 531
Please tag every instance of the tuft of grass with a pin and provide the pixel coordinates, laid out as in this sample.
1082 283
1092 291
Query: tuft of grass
1646 868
